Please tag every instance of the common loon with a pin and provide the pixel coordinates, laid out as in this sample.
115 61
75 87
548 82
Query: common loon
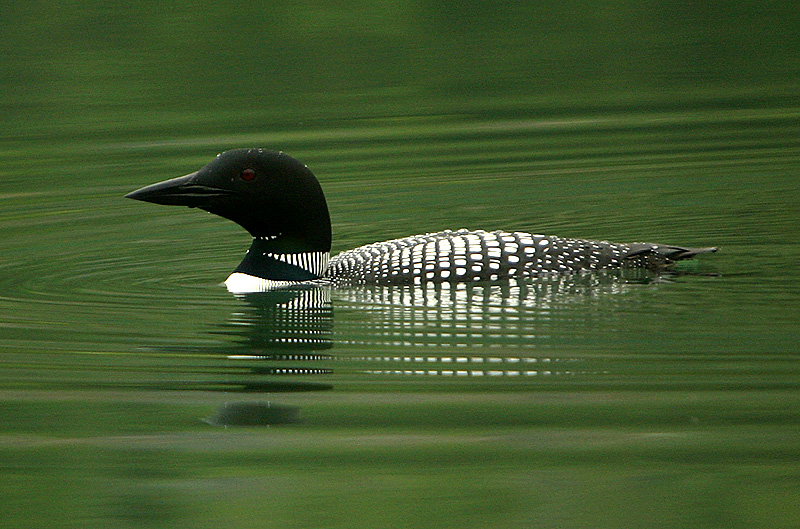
280 202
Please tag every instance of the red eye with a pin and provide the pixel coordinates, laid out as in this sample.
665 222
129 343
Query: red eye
248 175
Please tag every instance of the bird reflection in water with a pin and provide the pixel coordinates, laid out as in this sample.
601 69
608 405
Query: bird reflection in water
458 329
284 340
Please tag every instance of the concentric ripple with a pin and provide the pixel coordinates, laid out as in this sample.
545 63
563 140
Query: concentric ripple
98 290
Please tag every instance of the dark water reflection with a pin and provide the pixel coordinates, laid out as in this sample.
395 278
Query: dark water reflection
311 338
286 341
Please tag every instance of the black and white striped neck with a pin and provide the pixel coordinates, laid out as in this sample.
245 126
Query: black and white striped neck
266 260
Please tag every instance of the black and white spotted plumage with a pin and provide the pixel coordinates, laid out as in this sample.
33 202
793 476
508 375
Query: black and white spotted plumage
280 202
469 256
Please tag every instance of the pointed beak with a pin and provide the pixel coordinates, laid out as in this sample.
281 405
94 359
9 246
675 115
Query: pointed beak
181 191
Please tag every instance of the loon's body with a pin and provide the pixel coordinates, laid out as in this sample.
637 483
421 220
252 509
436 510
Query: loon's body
280 202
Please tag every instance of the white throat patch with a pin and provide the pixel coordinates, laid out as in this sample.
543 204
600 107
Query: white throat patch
314 262
238 283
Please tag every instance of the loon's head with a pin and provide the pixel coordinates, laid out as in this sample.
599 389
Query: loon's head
270 194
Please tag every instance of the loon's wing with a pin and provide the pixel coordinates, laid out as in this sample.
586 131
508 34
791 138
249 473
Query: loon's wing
468 256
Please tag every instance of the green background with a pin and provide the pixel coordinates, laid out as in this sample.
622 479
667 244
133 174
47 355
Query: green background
670 404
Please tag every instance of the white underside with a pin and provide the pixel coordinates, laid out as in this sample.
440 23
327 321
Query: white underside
238 283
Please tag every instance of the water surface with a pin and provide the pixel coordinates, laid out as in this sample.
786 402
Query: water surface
136 391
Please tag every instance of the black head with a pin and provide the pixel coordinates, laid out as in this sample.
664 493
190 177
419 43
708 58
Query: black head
268 193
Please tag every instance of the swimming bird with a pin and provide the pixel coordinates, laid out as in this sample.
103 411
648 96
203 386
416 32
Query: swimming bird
280 202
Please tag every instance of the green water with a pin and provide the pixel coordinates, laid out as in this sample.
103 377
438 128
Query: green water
127 370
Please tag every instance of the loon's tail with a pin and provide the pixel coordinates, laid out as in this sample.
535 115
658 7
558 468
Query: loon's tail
658 255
